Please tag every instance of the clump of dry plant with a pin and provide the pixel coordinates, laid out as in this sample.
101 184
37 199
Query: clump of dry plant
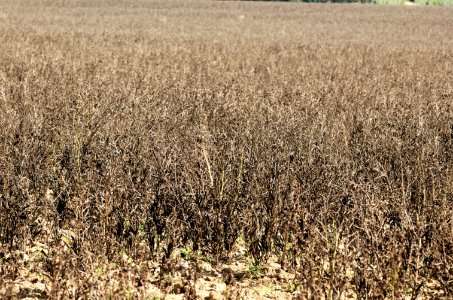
320 135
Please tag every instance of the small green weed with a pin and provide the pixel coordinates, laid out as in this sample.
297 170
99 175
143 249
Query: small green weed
186 254
255 270
292 288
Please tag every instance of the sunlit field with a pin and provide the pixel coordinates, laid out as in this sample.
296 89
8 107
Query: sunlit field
225 150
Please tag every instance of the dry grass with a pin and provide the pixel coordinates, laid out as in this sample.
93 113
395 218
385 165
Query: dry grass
318 135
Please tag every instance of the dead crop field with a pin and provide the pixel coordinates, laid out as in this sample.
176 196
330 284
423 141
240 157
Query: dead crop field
225 150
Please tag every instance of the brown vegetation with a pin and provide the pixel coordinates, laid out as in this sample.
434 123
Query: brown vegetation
320 136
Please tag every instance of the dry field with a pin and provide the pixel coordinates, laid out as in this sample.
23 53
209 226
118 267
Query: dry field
224 150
